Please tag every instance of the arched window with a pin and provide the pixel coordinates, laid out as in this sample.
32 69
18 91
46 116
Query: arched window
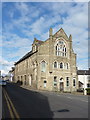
64 65
61 49
61 65
55 64
55 81
61 79
74 82
67 81
18 78
67 65
43 66
34 48
55 78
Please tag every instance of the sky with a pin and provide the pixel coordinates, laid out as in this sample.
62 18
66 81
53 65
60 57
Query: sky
22 21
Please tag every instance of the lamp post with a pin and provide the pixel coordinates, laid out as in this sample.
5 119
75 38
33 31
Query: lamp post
84 84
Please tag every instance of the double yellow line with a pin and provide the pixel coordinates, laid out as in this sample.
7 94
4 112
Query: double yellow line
12 110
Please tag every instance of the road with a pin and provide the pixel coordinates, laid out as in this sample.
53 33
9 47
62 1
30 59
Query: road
0 102
22 103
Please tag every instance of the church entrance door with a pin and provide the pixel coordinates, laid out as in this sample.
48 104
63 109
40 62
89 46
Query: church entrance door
61 86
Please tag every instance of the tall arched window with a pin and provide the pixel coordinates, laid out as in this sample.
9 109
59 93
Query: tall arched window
61 49
74 82
55 81
61 65
43 66
67 81
55 64
67 65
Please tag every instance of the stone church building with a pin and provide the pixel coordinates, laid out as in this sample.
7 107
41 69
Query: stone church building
50 65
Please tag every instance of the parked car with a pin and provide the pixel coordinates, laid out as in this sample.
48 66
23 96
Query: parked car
3 83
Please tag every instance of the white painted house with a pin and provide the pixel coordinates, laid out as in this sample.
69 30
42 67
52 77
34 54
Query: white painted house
84 79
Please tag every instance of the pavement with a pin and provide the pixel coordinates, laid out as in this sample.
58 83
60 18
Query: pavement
19 102
0 102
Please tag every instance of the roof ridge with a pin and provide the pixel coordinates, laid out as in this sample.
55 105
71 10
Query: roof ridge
25 56
60 30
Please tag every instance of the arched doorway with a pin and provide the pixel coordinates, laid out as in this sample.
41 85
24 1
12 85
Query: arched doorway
30 80
25 80
61 84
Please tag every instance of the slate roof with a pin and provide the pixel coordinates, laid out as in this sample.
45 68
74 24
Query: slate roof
25 56
38 41
83 72
29 53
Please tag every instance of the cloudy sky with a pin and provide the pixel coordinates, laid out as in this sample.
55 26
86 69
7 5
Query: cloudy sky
22 21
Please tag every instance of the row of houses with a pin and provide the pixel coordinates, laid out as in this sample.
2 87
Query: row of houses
83 78
50 65
0 74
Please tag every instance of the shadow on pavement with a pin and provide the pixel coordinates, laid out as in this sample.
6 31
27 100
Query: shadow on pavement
28 104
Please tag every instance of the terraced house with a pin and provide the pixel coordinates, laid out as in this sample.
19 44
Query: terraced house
50 65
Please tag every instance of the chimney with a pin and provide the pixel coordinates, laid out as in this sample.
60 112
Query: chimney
70 37
50 32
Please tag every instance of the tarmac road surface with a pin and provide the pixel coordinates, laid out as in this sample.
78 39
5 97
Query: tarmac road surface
22 103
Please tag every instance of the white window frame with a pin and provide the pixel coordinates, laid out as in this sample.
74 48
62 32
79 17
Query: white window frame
56 64
55 82
43 69
61 44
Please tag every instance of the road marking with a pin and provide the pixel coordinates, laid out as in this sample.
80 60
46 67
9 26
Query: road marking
84 100
14 110
58 95
70 97
10 110
77 99
74 98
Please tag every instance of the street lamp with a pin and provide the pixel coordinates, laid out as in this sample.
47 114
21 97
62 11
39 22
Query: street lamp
84 83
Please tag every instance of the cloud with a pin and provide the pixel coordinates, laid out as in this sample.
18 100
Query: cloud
23 8
45 0
16 41
29 20
5 65
83 64
15 47
5 62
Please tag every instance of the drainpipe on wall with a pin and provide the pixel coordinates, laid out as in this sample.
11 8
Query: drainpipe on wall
85 92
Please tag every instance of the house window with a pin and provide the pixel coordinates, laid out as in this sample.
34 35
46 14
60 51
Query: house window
45 83
61 49
61 65
88 85
67 81
43 66
27 63
18 78
21 78
55 64
25 80
55 81
74 82
34 48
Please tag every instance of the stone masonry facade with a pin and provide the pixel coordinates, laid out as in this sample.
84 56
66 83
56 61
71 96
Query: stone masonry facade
50 65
